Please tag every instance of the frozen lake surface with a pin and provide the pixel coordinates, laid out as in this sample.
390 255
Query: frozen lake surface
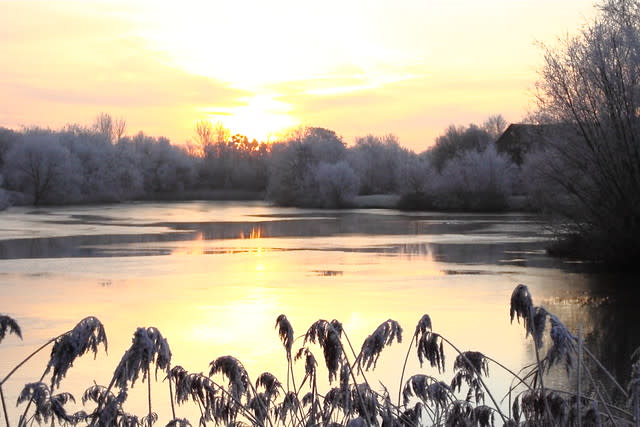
213 277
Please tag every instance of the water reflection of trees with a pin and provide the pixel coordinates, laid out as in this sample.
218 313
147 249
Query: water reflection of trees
86 246
524 254
608 318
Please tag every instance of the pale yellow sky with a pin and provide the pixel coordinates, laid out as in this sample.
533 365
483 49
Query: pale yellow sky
405 67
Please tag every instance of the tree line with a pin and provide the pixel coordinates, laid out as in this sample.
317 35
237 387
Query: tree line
309 167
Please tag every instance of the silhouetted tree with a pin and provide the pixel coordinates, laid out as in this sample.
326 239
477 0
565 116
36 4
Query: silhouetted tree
591 83
112 128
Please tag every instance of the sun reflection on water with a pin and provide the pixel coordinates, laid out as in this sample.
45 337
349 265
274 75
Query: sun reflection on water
255 233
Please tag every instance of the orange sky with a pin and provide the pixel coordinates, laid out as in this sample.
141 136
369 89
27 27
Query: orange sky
405 67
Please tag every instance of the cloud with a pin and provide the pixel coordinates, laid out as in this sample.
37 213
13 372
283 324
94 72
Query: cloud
57 58
149 84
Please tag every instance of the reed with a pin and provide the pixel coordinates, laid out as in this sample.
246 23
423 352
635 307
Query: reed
228 396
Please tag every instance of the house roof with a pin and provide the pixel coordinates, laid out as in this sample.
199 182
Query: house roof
520 138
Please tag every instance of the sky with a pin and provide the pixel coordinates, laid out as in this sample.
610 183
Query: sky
410 68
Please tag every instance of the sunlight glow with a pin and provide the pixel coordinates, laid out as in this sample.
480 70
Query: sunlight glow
371 83
261 118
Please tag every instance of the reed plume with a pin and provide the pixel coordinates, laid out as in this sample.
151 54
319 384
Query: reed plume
147 346
423 326
327 335
86 336
333 399
149 419
310 362
110 411
8 325
235 372
460 413
345 395
271 384
541 407
214 402
365 402
428 389
48 406
468 366
285 332
484 416
430 348
521 303
563 345
375 343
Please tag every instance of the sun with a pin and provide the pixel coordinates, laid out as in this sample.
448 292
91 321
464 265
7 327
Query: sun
261 118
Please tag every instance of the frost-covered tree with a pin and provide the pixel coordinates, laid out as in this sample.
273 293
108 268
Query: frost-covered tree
417 175
590 82
42 167
8 138
474 181
336 183
164 167
380 163
292 168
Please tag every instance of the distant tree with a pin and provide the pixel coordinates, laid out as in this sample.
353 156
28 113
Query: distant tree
457 140
103 124
494 126
164 167
591 82
337 184
112 128
292 180
477 181
8 138
380 162
204 137
417 175
119 128
41 167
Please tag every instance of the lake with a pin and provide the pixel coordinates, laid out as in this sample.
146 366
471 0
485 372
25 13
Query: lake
214 276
